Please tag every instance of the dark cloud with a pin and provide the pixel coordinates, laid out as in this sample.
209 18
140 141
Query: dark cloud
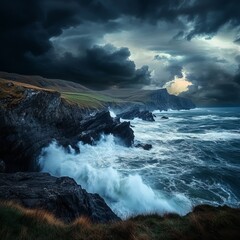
160 58
26 43
213 86
173 67
206 17
237 40
175 71
99 67
62 39
213 83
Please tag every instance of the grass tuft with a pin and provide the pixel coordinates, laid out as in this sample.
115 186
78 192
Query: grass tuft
205 222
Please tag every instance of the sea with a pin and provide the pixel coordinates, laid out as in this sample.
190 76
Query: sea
195 159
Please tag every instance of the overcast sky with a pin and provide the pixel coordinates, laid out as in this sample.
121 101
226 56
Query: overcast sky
192 47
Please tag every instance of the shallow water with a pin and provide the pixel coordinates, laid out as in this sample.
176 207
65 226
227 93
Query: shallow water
195 159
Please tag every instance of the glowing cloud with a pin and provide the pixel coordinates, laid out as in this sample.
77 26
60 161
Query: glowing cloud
178 85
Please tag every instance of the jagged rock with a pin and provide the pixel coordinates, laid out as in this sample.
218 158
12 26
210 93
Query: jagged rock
144 146
102 122
124 132
40 117
136 113
2 166
60 196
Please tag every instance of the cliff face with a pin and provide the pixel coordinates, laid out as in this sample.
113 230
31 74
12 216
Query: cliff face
161 100
148 100
31 118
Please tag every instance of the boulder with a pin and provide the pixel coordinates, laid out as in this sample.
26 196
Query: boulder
61 196
164 117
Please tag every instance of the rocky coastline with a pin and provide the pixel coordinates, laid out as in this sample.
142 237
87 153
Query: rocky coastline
30 119
63 197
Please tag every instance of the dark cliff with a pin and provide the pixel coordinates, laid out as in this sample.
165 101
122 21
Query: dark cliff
148 100
161 100
31 118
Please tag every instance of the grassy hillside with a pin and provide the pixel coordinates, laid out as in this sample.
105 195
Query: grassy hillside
204 223
90 99
41 82
12 93
78 93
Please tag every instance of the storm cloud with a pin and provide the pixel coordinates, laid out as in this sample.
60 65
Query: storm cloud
136 43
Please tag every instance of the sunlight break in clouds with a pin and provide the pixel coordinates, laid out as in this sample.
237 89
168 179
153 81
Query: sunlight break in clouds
178 85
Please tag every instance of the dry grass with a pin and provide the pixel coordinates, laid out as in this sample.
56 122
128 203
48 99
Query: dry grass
36 215
12 93
205 222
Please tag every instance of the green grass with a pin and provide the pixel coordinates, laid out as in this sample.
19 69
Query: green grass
91 100
204 223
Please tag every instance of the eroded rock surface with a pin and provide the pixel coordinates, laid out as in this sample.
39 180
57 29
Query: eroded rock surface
30 119
60 196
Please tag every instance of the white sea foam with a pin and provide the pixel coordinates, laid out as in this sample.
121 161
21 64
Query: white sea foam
112 113
134 181
97 168
177 111
214 118
168 131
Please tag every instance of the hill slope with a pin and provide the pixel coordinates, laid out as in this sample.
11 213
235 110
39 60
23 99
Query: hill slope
120 99
204 222
41 82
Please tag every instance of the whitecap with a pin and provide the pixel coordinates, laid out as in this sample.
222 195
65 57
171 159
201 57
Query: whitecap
98 170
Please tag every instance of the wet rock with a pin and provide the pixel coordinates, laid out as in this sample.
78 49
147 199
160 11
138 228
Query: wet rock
2 166
60 196
101 123
164 117
124 132
144 146
43 116
136 113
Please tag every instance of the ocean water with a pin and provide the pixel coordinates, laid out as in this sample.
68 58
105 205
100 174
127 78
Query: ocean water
195 159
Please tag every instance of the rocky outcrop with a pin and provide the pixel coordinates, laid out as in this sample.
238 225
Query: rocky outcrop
161 100
137 113
2 166
145 146
93 126
31 118
60 196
